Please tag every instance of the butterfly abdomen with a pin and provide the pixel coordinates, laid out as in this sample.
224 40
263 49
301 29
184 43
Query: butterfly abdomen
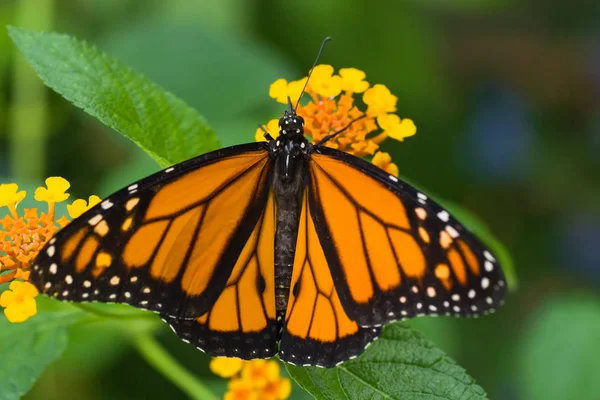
288 197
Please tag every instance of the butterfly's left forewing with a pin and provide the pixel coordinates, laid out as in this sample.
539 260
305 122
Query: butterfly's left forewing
394 253
168 243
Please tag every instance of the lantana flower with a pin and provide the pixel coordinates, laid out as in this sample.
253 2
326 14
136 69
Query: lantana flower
23 235
331 107
255 379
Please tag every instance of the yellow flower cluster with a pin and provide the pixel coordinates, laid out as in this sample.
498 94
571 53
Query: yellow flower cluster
22 236
331 108
252 380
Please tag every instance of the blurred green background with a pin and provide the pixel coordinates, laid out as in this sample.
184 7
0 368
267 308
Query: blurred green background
505 95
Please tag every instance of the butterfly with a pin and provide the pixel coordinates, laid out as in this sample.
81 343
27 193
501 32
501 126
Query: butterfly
279 247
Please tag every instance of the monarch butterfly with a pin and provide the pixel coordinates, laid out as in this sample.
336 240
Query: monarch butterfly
274 247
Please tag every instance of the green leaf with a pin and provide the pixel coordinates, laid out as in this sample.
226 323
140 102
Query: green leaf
27 348
560 354
401 364
157 121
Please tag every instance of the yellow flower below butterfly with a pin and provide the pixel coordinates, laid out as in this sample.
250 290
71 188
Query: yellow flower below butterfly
23 235
255 379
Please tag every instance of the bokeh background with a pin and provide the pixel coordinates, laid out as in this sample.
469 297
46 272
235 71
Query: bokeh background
505 95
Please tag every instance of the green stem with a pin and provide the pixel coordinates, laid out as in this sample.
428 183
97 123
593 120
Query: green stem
28 115
163 362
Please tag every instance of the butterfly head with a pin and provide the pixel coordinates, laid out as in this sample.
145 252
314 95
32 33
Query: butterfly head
291 124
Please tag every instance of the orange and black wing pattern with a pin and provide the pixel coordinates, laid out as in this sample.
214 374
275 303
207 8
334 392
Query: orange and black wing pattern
317 329
241 323
394 253
178 242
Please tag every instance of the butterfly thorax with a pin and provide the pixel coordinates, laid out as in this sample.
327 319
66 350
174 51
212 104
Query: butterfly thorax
290 152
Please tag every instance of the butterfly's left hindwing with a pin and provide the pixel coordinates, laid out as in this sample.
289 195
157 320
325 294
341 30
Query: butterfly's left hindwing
167 243
394 253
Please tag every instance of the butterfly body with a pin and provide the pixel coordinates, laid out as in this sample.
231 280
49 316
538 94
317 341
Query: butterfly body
290 154
280 247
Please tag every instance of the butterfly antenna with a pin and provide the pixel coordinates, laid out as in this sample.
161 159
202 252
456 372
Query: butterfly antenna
327 39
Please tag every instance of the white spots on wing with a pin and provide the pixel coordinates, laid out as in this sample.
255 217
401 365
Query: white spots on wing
127 295
65 293
87 284
53 269
95 219
456 297
144 302
488 265
489 300
69 279
390 314
419 306
443 215
133 187
452 232
422 198
302 145
112 296
404 312
456 308
106 204
471 294
446 304
433 308
393 178
402 299
474 307
489 256
431 291
133 279
115 280
85 295
168 170
96 292
47 285
51 250
415 289
485 283
53 240
146 290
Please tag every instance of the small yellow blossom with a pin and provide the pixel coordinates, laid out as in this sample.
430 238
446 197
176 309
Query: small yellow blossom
324 82
226 367
240 389
395 128
353 80
9 194
280 90
255 379
384 161
19 301
277 390
261 372
273 129
21 239
80 206
379 100
55 192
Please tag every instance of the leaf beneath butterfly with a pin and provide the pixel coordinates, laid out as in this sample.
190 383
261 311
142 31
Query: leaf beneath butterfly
156 120
401 364
27 348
